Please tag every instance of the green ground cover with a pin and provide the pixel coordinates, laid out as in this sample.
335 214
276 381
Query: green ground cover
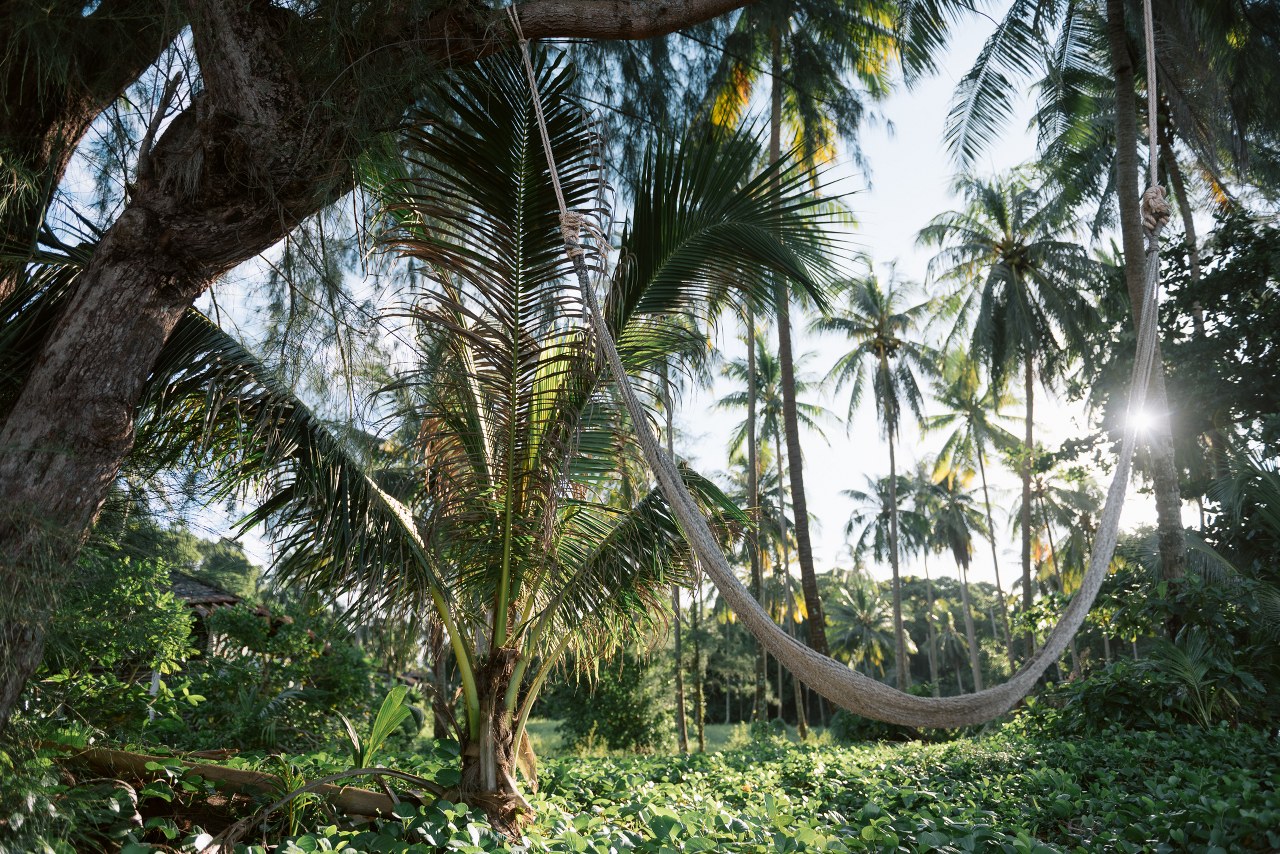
1010 791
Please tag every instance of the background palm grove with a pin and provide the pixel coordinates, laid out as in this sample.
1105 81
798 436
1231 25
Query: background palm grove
323 524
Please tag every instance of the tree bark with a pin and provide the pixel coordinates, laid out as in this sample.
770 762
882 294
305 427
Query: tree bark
816 621
1164 472
753 499
488 778
265 144
901 664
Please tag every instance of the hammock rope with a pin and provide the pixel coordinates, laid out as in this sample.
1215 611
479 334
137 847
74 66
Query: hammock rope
845 687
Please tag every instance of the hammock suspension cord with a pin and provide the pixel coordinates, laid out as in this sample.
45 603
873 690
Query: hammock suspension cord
848 688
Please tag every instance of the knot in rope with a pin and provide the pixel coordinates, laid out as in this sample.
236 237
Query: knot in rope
571 225
1155 211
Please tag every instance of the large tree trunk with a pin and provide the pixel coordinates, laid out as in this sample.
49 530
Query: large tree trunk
753 500
265 144
816 622
975 658
802 721
488 779
901 664
995 563
1164 472
1028 594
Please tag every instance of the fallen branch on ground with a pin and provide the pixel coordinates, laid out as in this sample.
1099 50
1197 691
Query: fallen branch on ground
345 799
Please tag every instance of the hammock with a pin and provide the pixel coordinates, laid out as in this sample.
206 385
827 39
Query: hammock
848 688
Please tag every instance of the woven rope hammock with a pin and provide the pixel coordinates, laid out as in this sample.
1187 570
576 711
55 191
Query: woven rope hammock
845 687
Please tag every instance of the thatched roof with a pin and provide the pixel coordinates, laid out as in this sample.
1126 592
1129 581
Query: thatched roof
200 595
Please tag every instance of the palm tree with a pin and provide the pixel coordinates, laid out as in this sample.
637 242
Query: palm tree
885 529
823 58
972 414
766 382
863 624
1221 113
1020 284
884 357
956 518
518 534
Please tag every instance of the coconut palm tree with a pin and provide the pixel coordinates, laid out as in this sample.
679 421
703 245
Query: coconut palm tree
518 532
824 58
955 520
1020 282
862 623
973 415
759 376
886 358
883 529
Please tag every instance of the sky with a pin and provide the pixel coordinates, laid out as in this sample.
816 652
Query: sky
909 182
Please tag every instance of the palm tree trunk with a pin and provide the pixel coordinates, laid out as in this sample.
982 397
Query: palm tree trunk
699 708
488 750
1028 595
1057 574
682 728
995 562
816 622
933 634
1164 472
903 667
975 660
801 722
753 499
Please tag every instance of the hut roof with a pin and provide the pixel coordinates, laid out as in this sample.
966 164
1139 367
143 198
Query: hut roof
199 594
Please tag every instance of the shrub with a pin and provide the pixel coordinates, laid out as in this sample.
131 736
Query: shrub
276 680
625 706
112 631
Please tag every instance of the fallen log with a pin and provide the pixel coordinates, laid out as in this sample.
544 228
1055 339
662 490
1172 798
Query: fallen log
124 764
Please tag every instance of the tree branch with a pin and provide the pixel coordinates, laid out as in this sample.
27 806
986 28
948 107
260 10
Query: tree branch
617 19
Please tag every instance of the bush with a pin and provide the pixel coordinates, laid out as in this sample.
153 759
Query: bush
275 680
624 706
112 630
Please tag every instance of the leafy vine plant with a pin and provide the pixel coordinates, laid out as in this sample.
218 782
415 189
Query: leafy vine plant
515 526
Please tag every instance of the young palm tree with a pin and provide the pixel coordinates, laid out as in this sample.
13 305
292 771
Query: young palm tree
517 533
885 358
862 622
1021 281
972 414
